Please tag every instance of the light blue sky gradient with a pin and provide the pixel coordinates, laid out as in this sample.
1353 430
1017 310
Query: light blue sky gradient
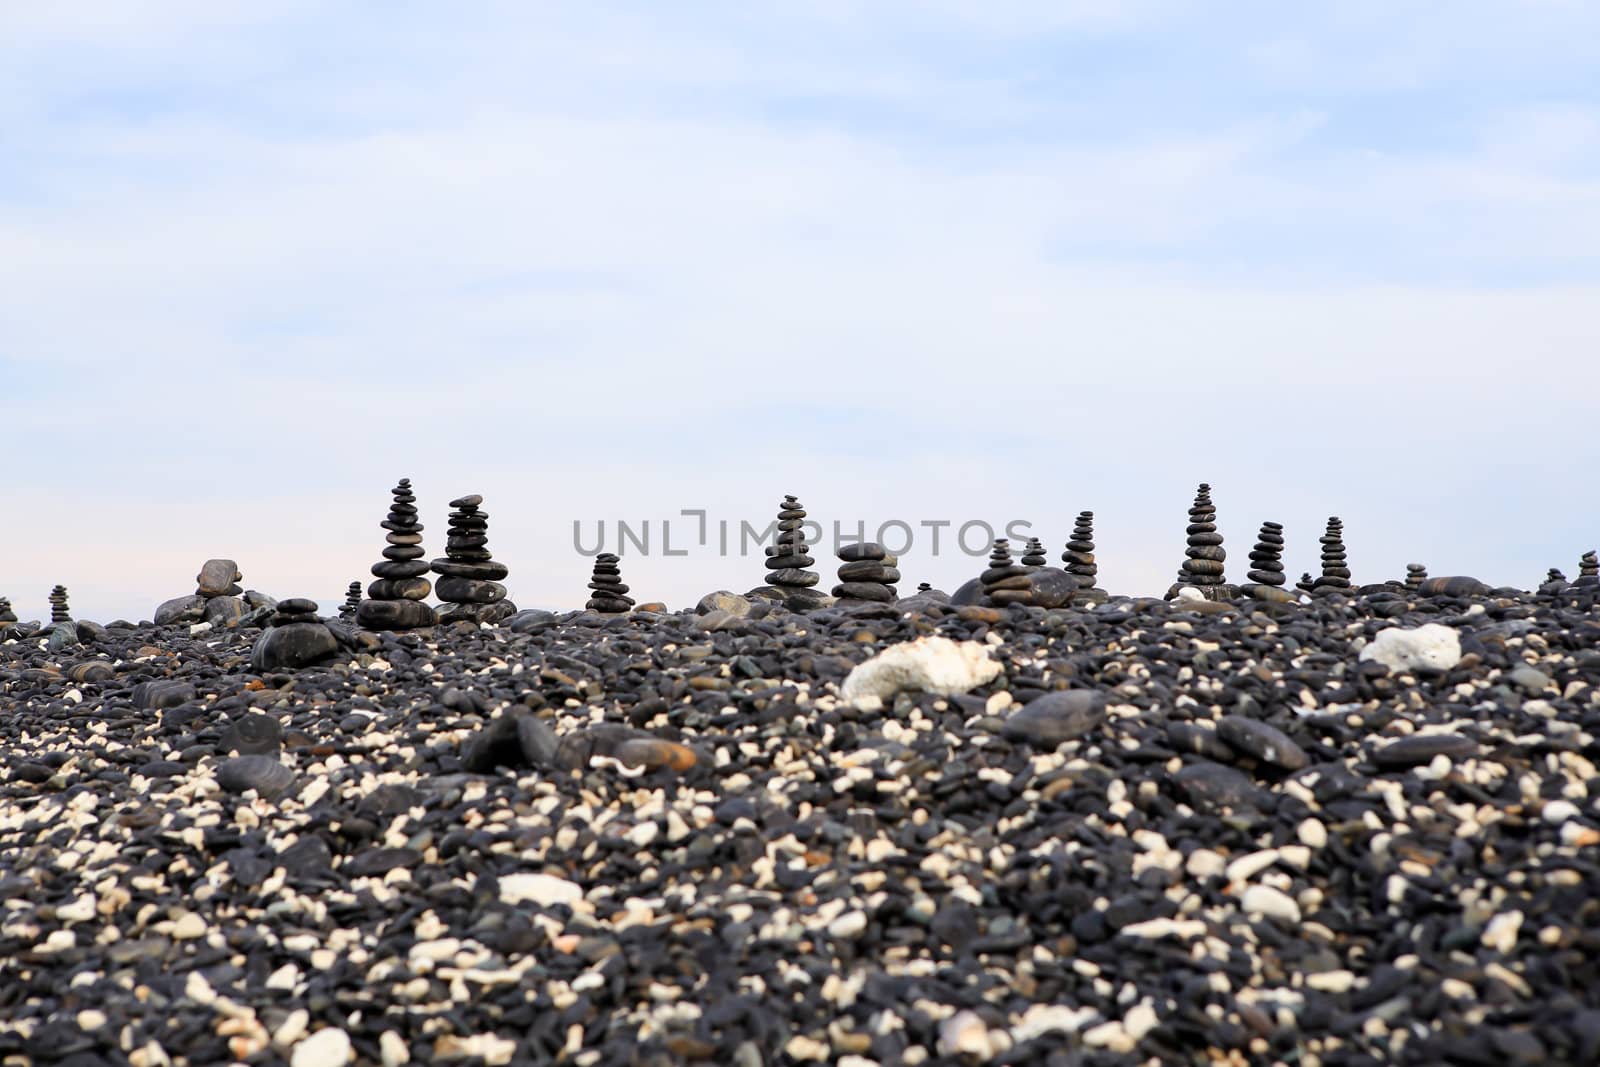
941 260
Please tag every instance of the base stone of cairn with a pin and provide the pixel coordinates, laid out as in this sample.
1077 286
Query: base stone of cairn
469 577
295 637
395 600
867 571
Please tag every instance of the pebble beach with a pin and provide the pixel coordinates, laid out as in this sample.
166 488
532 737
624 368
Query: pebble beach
1358 828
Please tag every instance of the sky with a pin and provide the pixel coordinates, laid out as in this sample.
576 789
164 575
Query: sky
943 261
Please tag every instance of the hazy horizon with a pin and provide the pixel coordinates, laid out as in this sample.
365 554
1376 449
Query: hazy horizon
921 262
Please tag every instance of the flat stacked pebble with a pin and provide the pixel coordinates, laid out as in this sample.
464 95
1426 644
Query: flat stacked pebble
469 577
395 599
1157 835
608 595
1335 572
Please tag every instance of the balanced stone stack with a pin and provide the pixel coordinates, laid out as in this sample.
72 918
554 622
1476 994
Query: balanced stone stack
867 572
295 637
1002 568
1554 583
1555 575
1079 558
610 595
1588 570
395 600
1033 554
217 586
58 605
1335 574
7 616
469 578
352 601
1416 574
1305 584
1266 566
1203 566
922 587
788 561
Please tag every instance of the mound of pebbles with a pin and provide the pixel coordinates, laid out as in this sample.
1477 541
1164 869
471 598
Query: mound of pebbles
1175 832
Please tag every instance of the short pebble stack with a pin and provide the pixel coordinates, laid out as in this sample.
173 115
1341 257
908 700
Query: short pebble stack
867 571
1416 574
7 616
1335 573
395 600
352 602
1033 554
1588 569
609 596
469 577
59 611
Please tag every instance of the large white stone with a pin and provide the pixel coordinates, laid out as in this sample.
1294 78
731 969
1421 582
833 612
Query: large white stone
542 889
325 1048
928 665
1430 646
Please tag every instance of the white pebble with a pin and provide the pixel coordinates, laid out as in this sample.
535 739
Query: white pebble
1312 833
849 926
329 1047
1247 867
1559 811
392 1047
965 1034
541 889
1501 933
1273 903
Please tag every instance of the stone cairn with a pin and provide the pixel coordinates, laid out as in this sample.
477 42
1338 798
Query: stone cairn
1203 568
1266 566
1079 553
1588 569
1416 574
1002 574
1335 575
1033 554
867 572
395 600
352 602
295 637
787 560
217 585
1305 584
469 578
58 605
7 616
924 587
610 595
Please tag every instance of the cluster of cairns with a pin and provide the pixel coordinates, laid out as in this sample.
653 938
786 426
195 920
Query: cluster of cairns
867 571
469 578
395 600
609 595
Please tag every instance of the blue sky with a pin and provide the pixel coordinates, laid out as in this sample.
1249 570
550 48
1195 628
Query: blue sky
941 260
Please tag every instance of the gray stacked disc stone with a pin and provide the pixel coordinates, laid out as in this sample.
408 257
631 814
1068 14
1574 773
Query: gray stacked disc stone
395 600
1203 566
867 572
1033 554
352 601
59 612
469 578
1335 573
1416 574
787 560
610 596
